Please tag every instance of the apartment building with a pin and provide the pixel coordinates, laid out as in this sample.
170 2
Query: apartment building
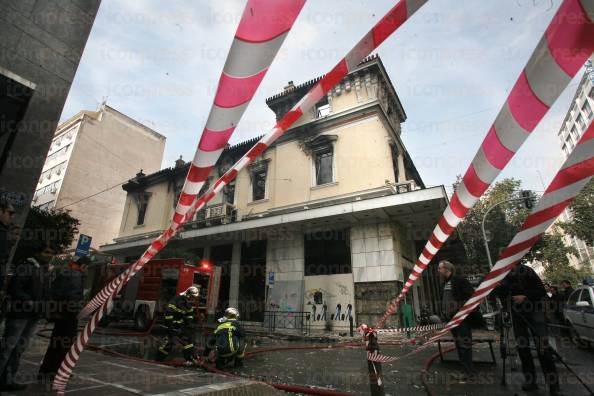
90 156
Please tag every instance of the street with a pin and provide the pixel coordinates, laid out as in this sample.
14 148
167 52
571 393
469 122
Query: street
128 369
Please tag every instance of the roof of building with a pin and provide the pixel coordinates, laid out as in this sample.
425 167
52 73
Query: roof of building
369 61
96 114
234 151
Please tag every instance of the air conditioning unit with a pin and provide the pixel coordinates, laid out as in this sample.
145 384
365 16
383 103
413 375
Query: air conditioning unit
219 214
35 198
53 189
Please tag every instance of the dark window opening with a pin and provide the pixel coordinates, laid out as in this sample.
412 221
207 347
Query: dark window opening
252 280
142 204
258 185
220 256
327 253
323 162
229 193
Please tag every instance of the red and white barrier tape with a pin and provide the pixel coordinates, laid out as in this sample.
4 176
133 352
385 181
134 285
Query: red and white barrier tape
565 46
376 357
410 329
575 173
381 31
262 29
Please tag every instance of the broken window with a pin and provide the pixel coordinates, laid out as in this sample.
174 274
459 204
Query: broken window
327 252
323 163
141 204
258 173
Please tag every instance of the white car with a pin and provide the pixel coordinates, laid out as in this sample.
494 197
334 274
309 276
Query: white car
579 315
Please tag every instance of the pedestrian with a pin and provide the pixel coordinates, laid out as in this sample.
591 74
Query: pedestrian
27 298
567 290
456 291
67 299
6 214
180 318
525 294
228 341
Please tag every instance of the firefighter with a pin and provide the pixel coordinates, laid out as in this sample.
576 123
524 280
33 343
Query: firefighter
180 320
228 340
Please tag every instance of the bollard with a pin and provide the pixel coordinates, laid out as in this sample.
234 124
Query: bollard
376 383
351 325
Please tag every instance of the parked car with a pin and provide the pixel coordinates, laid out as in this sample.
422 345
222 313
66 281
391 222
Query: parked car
579 315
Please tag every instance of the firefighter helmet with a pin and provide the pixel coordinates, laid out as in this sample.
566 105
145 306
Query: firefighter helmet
232 313
192 292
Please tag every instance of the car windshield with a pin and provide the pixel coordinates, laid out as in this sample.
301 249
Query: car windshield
586 297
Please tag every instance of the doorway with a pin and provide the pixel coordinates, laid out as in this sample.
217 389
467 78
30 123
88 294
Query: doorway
220 256
252 280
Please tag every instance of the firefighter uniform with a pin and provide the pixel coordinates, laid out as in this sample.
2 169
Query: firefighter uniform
228 340
180 321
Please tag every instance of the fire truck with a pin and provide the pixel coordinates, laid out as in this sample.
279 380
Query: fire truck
145 297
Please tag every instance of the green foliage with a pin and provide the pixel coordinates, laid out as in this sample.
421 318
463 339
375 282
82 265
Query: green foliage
52 228
582 224
552 253
501 224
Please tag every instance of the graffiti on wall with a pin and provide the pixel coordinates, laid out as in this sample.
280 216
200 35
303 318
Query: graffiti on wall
329 299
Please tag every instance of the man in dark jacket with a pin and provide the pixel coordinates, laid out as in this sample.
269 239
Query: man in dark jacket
456 291
67 299
180 318
27 298
525 294
6 214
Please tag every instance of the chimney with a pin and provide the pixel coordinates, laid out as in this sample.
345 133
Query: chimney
179 163
289 87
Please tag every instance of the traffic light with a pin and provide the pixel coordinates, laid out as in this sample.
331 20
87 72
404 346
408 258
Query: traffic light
528 198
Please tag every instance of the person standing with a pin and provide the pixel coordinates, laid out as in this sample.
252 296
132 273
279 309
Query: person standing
6 214
567 290
526 295
67 300
456 291
27 297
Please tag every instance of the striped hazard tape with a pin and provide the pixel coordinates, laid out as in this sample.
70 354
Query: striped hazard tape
376 357
101 303
411 329
403 10
258 38
567 42
575 173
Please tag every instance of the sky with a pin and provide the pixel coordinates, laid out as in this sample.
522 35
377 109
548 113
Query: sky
452 64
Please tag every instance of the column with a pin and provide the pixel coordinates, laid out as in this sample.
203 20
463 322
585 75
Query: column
235 268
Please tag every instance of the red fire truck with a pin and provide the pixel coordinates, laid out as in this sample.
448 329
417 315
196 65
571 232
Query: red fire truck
146 295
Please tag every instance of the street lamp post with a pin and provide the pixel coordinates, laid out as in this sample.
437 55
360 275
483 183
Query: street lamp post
483 226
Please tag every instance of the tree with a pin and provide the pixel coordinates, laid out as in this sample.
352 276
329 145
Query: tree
53 228
581 225
554 254
501 223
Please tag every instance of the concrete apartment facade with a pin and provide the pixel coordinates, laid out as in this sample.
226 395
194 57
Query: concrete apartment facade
578 118
42 43
327 222
94 152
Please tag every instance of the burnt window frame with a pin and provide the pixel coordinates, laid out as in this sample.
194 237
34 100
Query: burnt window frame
318 253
